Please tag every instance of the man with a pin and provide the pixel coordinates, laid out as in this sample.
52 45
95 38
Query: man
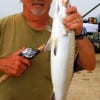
28 29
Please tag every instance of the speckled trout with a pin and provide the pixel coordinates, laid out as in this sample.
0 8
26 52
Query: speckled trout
62 46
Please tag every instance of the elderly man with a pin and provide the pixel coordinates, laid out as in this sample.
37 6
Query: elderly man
31 79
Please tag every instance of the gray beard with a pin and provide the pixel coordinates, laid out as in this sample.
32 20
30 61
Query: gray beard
37 13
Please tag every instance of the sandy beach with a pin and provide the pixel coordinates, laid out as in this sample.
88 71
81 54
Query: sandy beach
86 85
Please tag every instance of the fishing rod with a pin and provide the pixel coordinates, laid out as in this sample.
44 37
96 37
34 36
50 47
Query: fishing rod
91 10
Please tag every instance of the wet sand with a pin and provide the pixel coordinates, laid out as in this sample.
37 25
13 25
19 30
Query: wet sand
86 85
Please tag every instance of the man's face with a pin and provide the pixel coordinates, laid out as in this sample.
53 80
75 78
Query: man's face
37 7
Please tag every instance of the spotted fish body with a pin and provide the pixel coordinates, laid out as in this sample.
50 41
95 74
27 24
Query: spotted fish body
62 46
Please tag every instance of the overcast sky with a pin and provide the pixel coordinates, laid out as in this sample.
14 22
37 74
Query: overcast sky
8 7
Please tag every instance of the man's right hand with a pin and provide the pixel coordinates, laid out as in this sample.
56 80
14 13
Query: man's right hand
14 65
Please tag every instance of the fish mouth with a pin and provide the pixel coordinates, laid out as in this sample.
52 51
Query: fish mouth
65 2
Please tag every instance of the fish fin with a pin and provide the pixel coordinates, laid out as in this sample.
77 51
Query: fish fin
53 8
55 50
55 47
48 45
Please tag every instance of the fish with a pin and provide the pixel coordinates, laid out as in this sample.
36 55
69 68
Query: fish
62 50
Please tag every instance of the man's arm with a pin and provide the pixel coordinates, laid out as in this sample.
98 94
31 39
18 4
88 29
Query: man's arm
86 57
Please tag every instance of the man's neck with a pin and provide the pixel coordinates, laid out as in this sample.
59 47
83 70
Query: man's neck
36 22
